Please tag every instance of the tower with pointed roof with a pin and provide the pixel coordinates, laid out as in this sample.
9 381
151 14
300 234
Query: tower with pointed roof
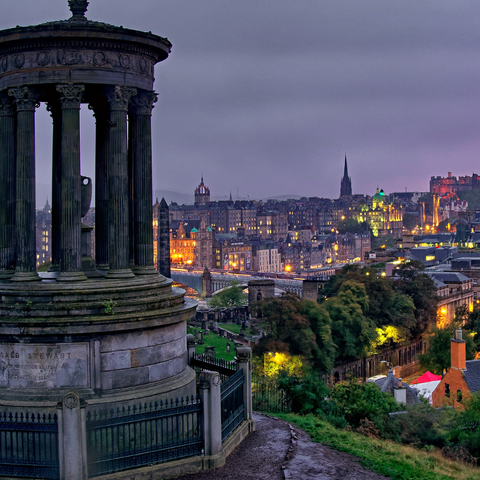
202 194
346 183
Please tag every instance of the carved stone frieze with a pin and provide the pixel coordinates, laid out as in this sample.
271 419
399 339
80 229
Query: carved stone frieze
43 58
71 95
118 97
19 60
142 103
25 98
6 105
85 57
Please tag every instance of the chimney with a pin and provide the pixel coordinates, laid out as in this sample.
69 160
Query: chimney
457 351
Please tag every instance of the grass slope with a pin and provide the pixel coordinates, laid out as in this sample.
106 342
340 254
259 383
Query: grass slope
385 457
220 344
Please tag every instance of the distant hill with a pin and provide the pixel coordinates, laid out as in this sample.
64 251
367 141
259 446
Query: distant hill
180 198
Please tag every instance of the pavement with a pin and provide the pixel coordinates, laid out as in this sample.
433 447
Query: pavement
280 451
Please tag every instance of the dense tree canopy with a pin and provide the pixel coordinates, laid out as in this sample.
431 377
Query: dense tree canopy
350 225
229 297
361 311
353 332
298 327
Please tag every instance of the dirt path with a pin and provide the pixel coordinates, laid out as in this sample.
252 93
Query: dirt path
277 451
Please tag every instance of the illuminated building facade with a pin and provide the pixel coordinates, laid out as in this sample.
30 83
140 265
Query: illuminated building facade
447 185
232 253
272 225
44 235
454 290
383 216
182 247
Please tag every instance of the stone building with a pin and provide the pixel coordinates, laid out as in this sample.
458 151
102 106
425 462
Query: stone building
202 194
452 185
44 235
461 380
266 257
232 253
454 290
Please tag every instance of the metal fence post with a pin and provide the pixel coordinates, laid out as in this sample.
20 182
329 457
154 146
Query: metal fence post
244 362
209 387
72 438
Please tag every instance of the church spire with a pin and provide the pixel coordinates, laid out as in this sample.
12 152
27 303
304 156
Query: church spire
346 183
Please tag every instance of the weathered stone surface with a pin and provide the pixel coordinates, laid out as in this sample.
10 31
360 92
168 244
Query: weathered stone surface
128 378
44 365
116 360
161 371
159 336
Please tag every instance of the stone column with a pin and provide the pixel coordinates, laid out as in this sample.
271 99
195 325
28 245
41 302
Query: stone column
102 153
71 195
209 390
244 362
72 438
26 102
141 160
118 213
163 244
7 192
56 114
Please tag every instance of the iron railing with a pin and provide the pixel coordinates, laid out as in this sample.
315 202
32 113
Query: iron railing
29 445
143 435
233 409
207 362
267 397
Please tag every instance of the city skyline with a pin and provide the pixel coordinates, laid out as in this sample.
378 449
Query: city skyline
268 96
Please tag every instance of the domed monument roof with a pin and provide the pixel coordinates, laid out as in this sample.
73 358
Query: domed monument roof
79 50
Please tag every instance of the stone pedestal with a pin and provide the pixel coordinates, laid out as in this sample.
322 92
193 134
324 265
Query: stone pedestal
209 389
72 438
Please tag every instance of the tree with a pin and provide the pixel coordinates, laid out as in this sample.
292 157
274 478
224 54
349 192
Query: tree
437 358
353 332
232 296
350 225
421 289
297 327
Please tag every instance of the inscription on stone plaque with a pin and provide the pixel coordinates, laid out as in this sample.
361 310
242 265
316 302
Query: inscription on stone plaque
44 365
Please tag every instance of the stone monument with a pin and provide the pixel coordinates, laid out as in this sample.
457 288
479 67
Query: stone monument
118 335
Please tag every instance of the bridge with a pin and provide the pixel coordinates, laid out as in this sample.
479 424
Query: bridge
222 280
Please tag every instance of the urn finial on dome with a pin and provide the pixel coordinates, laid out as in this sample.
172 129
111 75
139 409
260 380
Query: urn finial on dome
78 8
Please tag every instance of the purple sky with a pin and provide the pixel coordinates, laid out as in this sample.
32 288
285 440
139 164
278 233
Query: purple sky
267 95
